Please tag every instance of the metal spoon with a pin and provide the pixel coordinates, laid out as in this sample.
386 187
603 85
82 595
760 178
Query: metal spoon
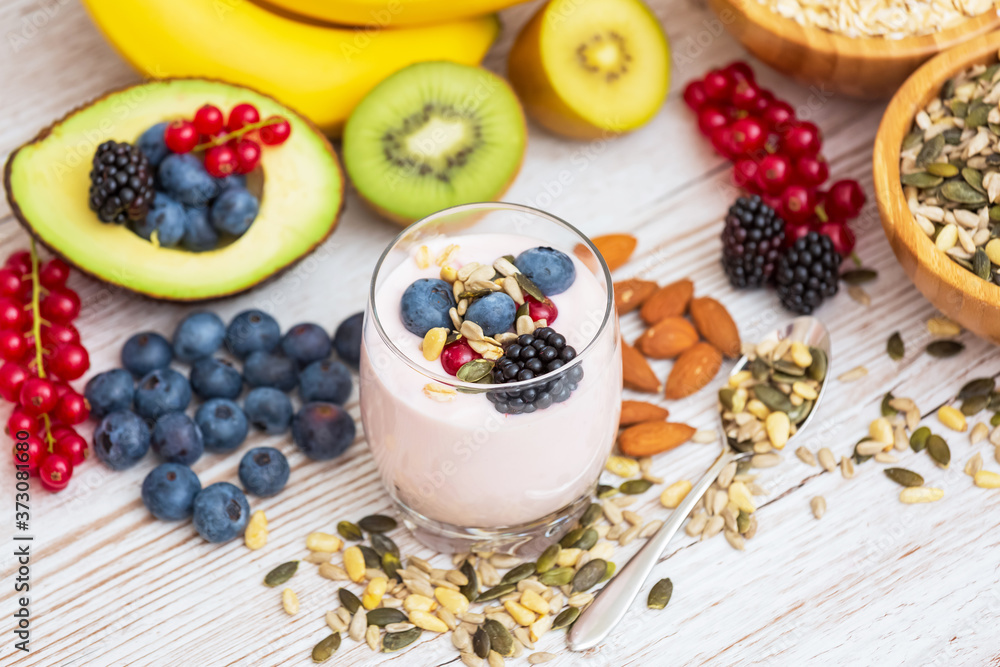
613 601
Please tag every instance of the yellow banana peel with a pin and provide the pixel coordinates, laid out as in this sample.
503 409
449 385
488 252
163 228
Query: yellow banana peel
392 13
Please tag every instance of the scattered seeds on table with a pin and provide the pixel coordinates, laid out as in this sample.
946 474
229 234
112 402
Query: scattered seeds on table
349 531
987 479
855 373
289 602
659 594
281 574
326 648
895 347
952 418
818 506
565 618
673 495
827 459
920 494
394 641
942 349
939 450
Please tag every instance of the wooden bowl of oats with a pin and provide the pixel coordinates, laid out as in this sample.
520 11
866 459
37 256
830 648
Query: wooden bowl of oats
864 54
936 169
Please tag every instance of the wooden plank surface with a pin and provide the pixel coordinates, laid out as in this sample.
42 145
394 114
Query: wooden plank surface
874 582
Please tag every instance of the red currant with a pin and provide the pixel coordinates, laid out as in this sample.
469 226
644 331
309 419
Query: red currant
70 361
220 161
38 396
60 305
779 116
841 234
54 273
740 71
72 446
10 283
12 377
242 115
810 171
723 141
19 262
247 155
801 139
745 94
749 136
773 173
764 99
12 314
60 334
21 421
719 85
694 95
541 310
72 408
797 204
456 354
55 472
745 174
710 118
277 132
181 136
794 232
29 453
13 345
844 200
208 120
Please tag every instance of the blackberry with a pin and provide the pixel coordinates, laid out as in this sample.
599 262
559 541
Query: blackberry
751 242
808 273
121 183
531 356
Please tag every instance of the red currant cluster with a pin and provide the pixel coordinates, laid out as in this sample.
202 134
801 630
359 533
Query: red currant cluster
41 353
228 145
774 154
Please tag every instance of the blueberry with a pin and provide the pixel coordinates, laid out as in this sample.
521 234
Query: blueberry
198 335
199 235
223 425
109 391
425 305
221 512
250 331
306 343
553 271
270 369
166 218
162 391
234 211
493 312
264 471
326 380
215 378
168 491
121 439
177 439
232 181
145 352
152 145
268 410
323 431
347 339
184 178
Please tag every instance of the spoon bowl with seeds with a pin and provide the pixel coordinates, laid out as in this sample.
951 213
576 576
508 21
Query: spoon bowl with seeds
768 400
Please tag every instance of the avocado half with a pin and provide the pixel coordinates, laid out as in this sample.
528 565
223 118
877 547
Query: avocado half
47 181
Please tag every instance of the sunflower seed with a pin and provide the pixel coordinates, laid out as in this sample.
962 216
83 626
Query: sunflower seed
826 459
855 373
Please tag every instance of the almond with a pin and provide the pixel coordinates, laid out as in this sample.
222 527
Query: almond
651 438
615 248
716 325
693 370
636 373
668 338
635 412
632 293
670 301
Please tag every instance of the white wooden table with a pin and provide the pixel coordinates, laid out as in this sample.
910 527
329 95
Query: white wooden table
874 582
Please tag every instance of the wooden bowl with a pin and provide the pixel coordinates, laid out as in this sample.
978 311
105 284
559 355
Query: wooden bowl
866 67
964 297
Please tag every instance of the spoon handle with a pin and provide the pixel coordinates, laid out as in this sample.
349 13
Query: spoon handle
610 605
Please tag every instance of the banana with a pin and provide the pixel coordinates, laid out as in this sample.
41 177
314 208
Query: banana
321 71
392 13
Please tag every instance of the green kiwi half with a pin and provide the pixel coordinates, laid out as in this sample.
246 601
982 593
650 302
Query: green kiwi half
434 135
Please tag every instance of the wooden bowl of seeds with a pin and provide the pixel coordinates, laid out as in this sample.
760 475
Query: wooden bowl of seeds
840 50
936 169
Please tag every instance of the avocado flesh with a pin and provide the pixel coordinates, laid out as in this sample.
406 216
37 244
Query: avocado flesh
47 182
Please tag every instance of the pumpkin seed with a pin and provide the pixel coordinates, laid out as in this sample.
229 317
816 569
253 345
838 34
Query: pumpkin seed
774 399
591 515
939 450
789 368
394 641
726 397
946 93
635 487
995 213
913 139
974 178
887 409
981 265
349 600
558 576
759 369
570 538
921 179
799 412
326 648
500 639
383 616
350 531
904 477
522 571
659 594
549 557
609 572
895 347
995 421
962 193
481 642
606 491
383 545
281 574
475 370
587 540
391 565
859 276
817 370
565 618
942 349
974 405
471 588
377 523
526 285
521 310
918 440
372 559
932 148
742 521
860 458
976 114
497 591
953 135
944 169
588 575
